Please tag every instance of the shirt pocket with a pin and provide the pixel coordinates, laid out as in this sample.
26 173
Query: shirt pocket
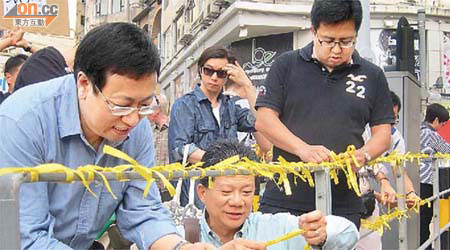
230 128
204 134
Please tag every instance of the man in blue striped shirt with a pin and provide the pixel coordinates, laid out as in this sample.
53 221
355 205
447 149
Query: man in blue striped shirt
430 142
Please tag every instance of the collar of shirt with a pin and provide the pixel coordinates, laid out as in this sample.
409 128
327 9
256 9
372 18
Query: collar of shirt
69 113
202 97
307 53
212 236
427 125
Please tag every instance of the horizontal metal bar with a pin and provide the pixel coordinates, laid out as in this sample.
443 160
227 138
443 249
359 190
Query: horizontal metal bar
430 199
429 241
132 175
434 197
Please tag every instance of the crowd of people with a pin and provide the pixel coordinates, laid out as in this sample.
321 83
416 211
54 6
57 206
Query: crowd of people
315 100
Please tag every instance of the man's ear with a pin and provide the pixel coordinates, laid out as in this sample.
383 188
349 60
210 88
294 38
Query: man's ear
8 77
201 191
435 123
82 85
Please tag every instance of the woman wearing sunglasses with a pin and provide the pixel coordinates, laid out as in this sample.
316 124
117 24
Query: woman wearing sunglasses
205 114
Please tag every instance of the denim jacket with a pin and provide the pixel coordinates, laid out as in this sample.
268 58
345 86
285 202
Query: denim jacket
192 123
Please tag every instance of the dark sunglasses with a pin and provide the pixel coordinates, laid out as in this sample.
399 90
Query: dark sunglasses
210 72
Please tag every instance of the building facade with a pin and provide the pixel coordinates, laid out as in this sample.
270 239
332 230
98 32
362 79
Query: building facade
144 13
258 31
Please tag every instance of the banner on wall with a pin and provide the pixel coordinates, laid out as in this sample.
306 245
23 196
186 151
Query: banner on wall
36 16
257 54
446 60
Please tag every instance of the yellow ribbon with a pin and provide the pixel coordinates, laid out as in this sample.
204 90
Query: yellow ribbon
287 236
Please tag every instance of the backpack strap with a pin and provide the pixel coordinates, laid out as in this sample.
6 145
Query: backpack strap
192 230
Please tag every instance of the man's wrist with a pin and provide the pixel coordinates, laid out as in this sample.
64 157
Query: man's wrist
366 154
248 86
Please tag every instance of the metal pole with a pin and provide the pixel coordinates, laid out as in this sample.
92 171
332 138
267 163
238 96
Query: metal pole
128 11
363 39
403 226
436 217
423 55
322 182
9 211
428 242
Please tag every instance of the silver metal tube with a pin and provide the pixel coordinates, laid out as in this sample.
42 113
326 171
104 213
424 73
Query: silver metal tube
403 226
436 215
428 242
434 197
322 182
9 211
363 39
110 176
422 48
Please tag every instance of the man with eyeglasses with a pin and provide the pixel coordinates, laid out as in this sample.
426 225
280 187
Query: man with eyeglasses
318 99
431 143
68 120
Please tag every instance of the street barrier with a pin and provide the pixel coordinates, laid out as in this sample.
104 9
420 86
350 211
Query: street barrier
12 178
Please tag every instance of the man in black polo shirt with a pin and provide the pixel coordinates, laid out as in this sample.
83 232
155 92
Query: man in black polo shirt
318 99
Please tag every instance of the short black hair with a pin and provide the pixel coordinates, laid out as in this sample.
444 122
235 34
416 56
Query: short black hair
13 63
396 100
434 111
336 11
116 48
216 51
223 149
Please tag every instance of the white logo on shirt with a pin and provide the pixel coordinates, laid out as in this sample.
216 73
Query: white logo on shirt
353 89
359 78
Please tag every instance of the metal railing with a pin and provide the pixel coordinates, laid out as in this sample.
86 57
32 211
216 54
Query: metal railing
10 186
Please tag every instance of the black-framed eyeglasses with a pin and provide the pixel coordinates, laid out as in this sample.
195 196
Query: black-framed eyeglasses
332 44
118 110
209 72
